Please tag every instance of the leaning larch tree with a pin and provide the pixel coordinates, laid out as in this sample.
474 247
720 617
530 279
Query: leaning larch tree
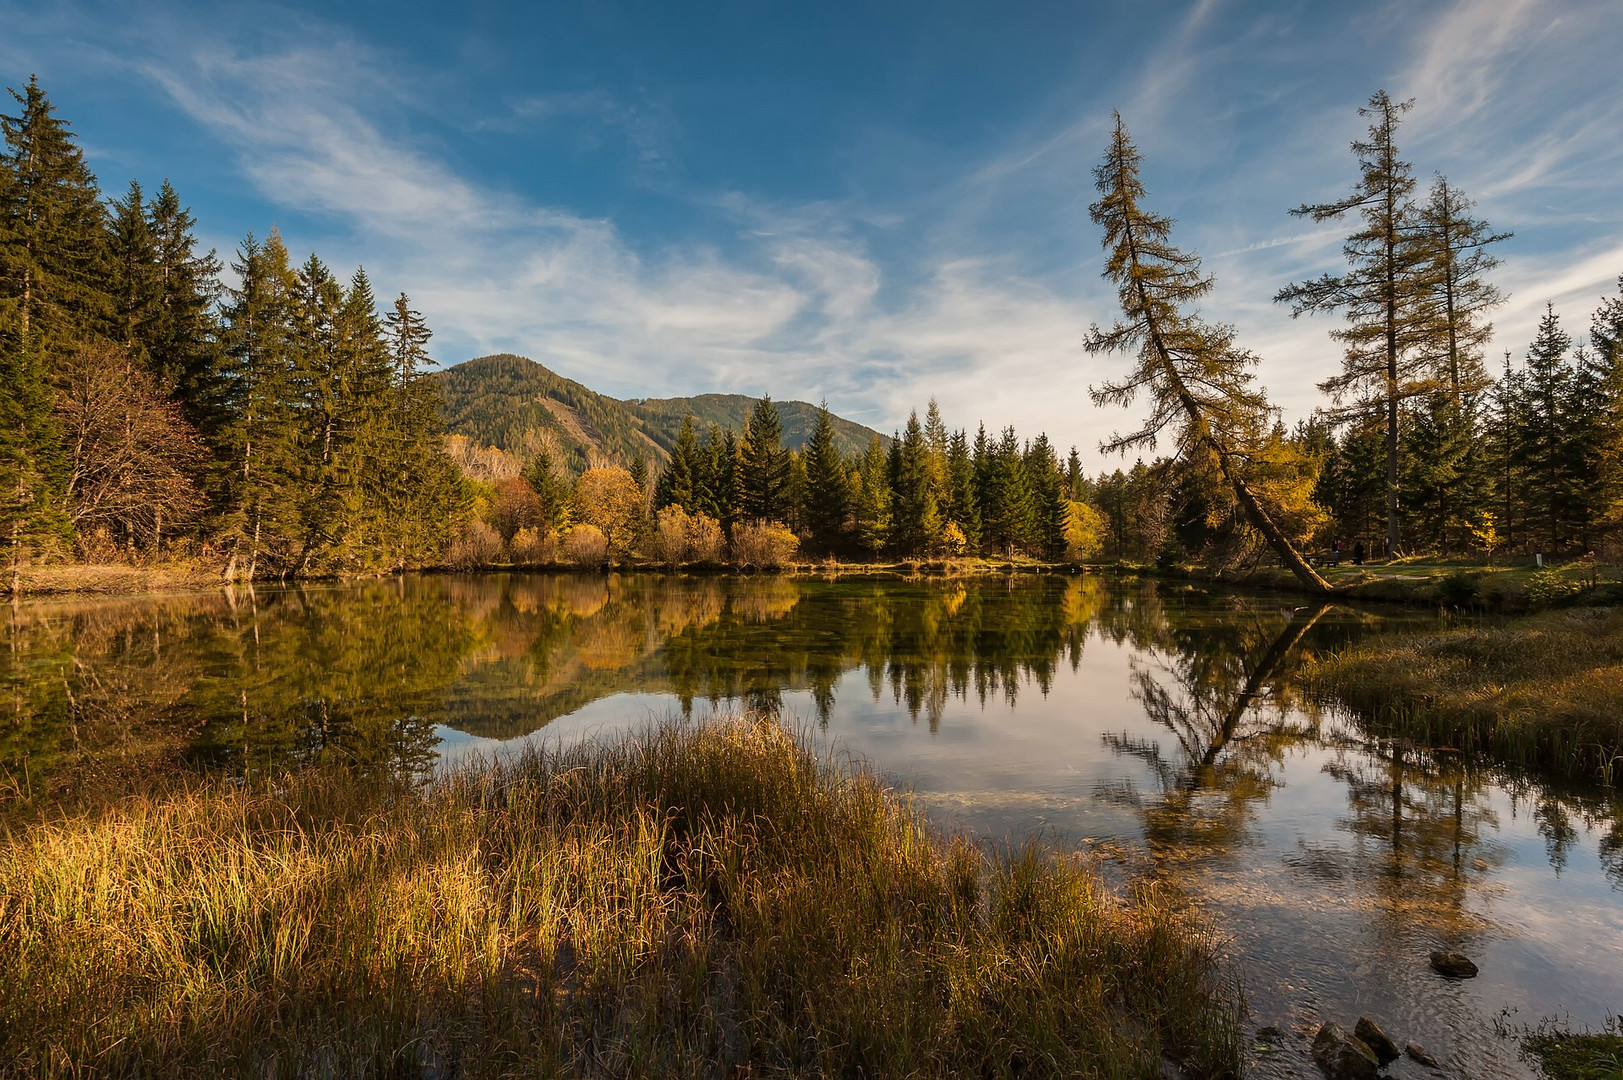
1198 381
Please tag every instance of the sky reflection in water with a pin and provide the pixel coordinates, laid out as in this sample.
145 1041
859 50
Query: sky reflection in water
1159 725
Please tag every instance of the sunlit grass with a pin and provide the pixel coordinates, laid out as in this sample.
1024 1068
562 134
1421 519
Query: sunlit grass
696 901
1543 691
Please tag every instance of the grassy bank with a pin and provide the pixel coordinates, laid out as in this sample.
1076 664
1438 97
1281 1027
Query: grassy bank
1566 1054
1543 691
710 901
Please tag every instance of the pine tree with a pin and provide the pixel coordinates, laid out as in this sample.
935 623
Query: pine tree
183 342
960 507
258 441
826 495
763 464
1382 293
1442 479
915 517
1542 438
421 489
870 500
53 258
676 484
1050 509
136 291
1456 261
551 490
1004 499
1606 466
1197 379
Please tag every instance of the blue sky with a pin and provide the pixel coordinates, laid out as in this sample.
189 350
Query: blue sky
872 203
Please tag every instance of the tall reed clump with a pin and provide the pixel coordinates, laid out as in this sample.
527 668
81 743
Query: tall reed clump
1543 691
708 901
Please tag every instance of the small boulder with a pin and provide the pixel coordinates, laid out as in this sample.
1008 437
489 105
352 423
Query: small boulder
1343 1056
1270 1034
1370 1034
1452 965
1418 1053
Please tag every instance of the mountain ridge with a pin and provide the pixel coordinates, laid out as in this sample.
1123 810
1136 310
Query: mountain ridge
519 405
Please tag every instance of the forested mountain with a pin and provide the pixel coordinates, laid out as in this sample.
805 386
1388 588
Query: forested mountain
518 405
665 416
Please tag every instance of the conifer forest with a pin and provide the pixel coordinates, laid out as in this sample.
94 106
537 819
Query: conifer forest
266 415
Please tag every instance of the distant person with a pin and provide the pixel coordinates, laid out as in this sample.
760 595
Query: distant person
1358 553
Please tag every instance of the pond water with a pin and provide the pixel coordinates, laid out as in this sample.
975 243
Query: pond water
1160 725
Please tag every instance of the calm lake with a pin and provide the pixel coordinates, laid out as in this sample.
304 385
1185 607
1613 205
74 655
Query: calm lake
1159 725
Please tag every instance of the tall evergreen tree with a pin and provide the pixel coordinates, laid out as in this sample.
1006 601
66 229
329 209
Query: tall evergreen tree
1004 499
1381 294
258 442
1050 509
960 507
183 342
1198 381
1458 296
763 464
54 283
137 294
915 516
1542 439
826 495
1606 467
676 484
870 499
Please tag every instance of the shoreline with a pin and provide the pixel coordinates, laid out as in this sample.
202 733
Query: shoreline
1469 588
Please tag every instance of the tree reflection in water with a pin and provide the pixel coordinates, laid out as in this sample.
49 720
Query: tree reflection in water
368 675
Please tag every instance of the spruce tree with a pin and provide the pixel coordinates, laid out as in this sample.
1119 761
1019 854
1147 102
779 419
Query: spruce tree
423 490
915 517
960 507
676 484
1005 500
1050 509
1458 296
1606 466
137 294
183 342
870 500
1542 440
1382 294
54 281
763 464
1441 479
826 494
551 490
258 443
1197 380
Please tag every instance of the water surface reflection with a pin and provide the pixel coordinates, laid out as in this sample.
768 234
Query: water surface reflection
1160 724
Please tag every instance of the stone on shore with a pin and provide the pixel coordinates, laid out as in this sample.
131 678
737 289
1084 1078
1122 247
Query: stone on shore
1370 1034
1343 1056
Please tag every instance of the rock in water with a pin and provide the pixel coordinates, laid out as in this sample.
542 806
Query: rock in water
1453 965
1370 1034
1418 1053
1342 1056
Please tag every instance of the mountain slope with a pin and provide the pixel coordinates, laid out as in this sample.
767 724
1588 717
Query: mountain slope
664 416
518 405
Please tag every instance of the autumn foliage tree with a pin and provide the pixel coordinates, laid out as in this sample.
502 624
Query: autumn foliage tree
1197 380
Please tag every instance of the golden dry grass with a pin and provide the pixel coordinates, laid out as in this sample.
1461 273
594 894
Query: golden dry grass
709 901
1543 691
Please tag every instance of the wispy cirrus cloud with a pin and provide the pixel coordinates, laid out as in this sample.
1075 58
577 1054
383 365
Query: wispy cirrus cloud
976 284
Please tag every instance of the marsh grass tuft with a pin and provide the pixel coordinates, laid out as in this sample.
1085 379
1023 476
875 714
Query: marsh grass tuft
698 901
1543 691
